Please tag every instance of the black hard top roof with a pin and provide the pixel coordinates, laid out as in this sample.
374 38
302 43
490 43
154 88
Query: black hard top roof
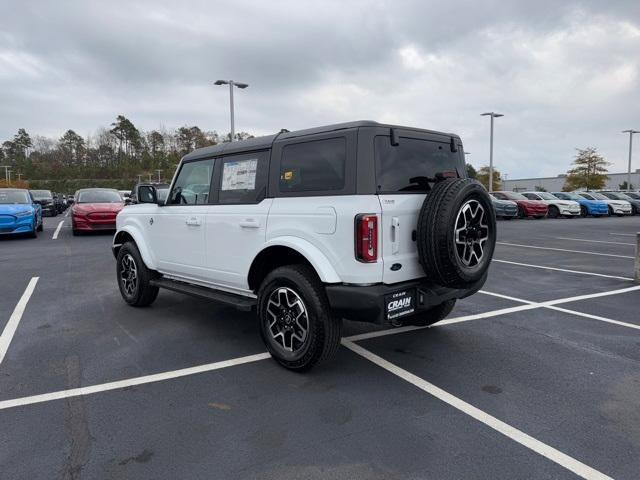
259 143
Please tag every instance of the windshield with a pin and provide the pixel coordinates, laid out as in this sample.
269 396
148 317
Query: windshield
14 197
635 196
588 196
599 196
41 194
567 196
617 195
514 196
99 196
412 164
546 196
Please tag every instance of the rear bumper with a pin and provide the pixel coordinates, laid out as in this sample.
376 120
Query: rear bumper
368 303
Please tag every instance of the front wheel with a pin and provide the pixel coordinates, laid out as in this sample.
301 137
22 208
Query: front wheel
296 321
583 211
553 212
134 278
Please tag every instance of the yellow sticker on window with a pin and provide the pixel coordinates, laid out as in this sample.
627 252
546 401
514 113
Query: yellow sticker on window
288 175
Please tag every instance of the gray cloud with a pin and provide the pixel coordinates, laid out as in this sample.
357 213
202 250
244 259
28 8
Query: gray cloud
565 75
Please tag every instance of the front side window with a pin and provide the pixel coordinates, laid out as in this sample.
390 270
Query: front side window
243 178
412 164
314 166
193 184
99 196
531 196
587 196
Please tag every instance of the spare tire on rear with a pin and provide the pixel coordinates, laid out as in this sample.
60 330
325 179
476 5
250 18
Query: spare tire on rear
456 232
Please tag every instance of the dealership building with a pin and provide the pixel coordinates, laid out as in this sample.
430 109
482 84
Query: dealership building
555 184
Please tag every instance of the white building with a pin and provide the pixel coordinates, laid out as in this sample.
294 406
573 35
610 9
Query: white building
555 184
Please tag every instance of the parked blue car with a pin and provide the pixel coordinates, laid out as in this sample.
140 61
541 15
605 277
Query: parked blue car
19 213
596 208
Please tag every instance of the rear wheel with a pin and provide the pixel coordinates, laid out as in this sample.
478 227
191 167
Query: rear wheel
433 315
134 277
296 321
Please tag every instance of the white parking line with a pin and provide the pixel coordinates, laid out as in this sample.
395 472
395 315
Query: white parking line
55 234
547 451
562 269
16 316
563 250
593 241
623 234
103 387
67 214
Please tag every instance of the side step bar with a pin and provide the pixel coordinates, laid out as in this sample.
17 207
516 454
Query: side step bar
239 301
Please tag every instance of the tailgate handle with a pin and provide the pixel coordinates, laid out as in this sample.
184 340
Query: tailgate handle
395 235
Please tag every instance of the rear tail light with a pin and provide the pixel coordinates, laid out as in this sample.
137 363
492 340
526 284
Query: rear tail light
366 238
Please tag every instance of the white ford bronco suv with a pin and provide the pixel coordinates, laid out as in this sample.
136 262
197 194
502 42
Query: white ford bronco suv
358 221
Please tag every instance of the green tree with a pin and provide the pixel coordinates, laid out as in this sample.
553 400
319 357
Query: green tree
623 186
539 188
482 176
589 171
471 171
72 148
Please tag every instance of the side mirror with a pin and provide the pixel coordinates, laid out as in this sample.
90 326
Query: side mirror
147 194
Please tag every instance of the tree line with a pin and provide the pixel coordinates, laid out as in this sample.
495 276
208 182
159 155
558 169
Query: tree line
112 156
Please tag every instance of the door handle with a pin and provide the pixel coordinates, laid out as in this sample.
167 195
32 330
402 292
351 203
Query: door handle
249 223
193 221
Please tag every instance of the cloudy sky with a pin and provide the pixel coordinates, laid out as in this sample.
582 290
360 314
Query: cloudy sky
565 74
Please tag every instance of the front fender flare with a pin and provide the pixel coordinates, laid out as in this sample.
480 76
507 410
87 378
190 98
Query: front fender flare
315 257
137 236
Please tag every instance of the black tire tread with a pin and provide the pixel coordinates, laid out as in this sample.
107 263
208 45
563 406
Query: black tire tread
329 328
146 292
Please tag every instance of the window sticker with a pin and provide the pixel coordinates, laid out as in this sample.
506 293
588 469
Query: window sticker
240 175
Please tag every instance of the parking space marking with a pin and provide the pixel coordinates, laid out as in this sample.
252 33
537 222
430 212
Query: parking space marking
593 241
561 269
563 250
623 234
119 384
547 451
55 234
16 316
566 310
67 214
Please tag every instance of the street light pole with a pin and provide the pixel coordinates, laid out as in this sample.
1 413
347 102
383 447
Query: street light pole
159 172
630 132
492 115
231 84
6 172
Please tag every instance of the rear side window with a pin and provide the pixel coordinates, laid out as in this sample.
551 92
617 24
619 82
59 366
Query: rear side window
193 184
531 196
404 167
314 166
243 178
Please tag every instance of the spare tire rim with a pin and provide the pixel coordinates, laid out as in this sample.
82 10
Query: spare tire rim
288 319
128 274
471 233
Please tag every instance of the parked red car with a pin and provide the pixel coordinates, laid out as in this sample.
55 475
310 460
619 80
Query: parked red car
526 207
95 209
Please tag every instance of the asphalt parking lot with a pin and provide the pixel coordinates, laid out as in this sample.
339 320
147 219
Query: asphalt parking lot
538 376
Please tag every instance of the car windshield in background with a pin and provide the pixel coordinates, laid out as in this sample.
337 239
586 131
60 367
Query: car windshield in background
633 195
41 194
599 196
515 196
162 194
408 166
99 196
14 197
546 196
568 196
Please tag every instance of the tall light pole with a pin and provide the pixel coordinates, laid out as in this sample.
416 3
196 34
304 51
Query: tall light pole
492 115
231 84
159 172
7 169
630 132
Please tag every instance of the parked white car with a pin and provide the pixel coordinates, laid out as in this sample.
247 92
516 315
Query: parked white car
616 207
557 207
361 221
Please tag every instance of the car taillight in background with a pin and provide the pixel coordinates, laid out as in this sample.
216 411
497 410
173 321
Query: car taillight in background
366 238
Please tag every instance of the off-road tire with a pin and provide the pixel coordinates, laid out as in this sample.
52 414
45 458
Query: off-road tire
144 293
324 330
436 237
433 315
